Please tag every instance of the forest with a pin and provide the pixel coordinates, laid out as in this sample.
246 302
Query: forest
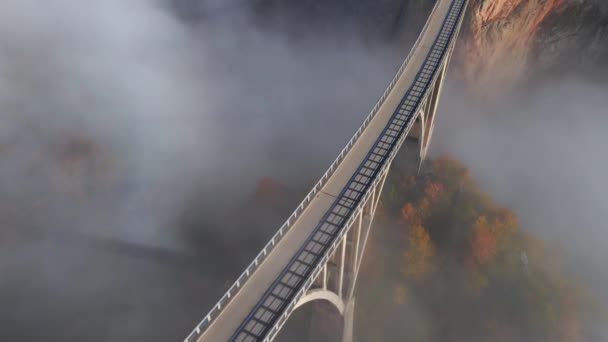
448 263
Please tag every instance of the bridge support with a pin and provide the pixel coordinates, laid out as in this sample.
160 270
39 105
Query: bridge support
349 321
337 282
423 127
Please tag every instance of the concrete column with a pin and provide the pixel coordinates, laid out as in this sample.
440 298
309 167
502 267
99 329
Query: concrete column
430 111
373 204
349 321
325 277
342 260
358 240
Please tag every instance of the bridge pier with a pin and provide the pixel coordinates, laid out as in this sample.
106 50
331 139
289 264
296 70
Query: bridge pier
349 321
335 284
423 127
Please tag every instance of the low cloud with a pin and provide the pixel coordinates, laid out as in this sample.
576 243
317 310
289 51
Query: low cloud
119 116
541 153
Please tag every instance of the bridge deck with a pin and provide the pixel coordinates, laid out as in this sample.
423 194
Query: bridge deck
234 314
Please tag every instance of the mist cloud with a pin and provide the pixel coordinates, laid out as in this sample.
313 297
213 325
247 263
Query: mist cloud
190 114
542 153
115 117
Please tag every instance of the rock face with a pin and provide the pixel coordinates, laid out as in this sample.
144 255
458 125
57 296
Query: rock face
576 36
504 39
498 37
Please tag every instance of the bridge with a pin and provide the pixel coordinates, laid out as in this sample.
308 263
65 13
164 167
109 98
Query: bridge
317 253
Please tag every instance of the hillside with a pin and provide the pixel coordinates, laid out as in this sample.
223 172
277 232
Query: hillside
447 263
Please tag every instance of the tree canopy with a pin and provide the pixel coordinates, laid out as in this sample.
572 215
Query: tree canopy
462 261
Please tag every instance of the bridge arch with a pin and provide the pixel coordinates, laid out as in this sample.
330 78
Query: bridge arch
323 294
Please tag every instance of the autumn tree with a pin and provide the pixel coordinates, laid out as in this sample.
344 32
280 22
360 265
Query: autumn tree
504 226
482 241
445 219
408 213
418 257
452 174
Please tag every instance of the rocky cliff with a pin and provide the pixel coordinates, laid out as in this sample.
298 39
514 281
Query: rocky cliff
508 41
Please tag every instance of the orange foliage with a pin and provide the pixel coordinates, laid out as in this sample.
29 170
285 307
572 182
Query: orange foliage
433 190
491 255
408 213
483 242
424 209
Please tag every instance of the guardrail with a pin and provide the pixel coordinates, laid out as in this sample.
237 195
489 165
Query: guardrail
359 208
331 250
236 286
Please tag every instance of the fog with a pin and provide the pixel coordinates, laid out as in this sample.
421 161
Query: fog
541 152
133 134
132 137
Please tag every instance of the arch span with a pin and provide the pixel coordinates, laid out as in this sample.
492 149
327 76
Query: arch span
322 294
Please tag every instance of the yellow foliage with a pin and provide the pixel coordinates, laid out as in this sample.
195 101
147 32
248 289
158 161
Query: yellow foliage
470 227
418 258
452 173
424 209
485 200
505 222
478 281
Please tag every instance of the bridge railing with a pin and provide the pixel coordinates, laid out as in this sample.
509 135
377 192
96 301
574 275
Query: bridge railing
356 212
334 246
257 261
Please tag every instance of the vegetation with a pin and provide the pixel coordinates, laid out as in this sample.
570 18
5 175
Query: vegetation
456 266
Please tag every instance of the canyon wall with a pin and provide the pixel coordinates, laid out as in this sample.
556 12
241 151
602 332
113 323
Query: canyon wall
505 42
